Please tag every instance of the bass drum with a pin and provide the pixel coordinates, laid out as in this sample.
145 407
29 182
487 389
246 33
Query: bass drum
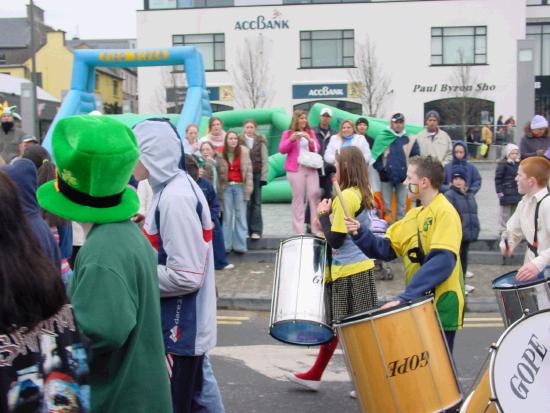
298 312
399 360
520 366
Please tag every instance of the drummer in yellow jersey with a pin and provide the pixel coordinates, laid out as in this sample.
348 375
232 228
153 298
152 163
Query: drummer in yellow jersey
428 238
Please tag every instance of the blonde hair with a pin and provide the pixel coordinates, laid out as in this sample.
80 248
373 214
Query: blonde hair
342 124
295 117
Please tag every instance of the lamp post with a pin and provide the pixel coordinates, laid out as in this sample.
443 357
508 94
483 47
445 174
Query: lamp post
33 74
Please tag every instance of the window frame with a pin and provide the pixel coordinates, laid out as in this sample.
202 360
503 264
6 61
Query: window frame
306 36
539 38
181 69
475 37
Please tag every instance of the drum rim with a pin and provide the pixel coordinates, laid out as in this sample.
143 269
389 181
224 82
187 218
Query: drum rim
300 344
377 313
519 286
303 236
495 349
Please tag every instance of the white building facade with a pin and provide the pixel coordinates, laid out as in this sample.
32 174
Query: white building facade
430 52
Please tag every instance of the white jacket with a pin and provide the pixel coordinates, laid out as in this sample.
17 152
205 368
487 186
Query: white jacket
335 143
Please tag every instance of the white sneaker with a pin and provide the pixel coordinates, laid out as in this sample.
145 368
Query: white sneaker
469 288
229 267
312 385
255 236
469 274
353 394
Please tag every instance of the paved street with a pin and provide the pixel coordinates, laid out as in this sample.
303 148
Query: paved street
250 365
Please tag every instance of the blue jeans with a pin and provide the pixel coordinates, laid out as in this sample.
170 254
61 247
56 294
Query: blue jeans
220 260
234 218
400 194
209 400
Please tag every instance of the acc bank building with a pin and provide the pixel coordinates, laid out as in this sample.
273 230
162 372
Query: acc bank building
432 53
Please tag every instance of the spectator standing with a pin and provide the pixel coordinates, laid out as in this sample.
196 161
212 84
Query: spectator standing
44 364
433 141
506 185
180 218
304 180
536 139
114 289
216 134
323 132
345 137
191 143
391 152
235 174
257 145
210 157
362 128
460 157
486 138
10 135
466 206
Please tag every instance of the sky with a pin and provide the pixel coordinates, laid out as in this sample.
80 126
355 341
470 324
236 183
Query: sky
88 19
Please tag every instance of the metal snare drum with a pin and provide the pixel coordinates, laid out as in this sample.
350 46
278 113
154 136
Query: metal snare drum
514 297
298 314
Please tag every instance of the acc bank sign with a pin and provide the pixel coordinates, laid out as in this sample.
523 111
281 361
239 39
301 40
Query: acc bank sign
308 91
263 23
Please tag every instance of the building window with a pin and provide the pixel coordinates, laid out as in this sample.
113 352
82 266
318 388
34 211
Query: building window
541 34
345 105
211 46
115 87
459 45
38 77
326 48
2 58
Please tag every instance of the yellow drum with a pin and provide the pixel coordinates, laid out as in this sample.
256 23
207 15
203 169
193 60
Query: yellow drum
479 401
399 360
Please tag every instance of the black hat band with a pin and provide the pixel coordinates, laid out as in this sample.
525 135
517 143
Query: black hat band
82 198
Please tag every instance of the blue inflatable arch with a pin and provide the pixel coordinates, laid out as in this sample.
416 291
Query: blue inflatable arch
80 98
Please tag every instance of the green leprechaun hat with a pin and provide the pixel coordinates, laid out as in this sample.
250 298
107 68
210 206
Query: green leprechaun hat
95 157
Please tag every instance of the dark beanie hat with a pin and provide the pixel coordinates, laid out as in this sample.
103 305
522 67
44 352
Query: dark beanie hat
432 114
459 171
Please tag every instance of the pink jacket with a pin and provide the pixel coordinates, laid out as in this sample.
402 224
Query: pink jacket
292 149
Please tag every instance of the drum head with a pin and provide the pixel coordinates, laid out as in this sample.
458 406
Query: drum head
301 332
520 366
508 280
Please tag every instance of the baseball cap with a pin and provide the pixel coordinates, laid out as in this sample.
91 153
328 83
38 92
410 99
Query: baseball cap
29 138
326 111
398 117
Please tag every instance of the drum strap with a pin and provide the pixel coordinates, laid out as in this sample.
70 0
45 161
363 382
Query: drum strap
534 247
416 254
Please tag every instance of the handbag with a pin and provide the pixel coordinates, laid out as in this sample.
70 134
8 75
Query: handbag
310 159
483 149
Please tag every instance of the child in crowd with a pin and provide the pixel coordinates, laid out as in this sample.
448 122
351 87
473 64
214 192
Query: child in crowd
191 143
195 168
506 185
531 220
235 177
210 169
257 145
466 206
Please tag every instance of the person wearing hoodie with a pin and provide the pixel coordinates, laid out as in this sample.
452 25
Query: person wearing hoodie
180 218
114 290
466 206
506 185
23 174
536 139
460 157
391 153
216 134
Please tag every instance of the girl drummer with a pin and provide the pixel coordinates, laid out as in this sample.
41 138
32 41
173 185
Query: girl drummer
350 282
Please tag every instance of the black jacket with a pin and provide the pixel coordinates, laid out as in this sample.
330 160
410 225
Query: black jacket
505 183
466 206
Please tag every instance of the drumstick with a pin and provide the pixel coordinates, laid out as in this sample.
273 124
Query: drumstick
342 201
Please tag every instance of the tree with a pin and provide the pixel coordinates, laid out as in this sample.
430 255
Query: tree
372 84
251 75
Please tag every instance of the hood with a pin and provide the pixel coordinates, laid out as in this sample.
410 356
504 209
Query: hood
465 146
160 151
23 173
